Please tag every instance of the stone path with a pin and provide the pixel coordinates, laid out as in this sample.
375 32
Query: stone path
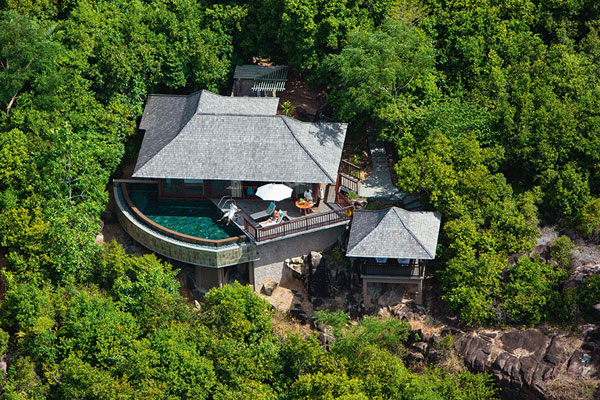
378 184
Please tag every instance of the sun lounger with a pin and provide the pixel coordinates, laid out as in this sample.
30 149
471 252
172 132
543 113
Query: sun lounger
257 216
271 221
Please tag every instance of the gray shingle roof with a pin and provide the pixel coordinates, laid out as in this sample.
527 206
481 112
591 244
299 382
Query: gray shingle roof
253 71
394 233
233 138
211 103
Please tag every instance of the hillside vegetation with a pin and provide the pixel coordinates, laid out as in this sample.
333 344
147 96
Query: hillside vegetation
492 106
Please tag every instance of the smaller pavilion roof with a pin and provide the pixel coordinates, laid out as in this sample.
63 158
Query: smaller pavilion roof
266 77
394 233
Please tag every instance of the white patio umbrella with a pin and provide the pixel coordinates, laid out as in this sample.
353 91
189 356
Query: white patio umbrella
274 192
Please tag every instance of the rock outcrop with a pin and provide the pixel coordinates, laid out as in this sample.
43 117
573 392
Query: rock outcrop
268 286
530 363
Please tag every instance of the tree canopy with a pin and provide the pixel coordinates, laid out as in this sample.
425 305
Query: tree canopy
491 107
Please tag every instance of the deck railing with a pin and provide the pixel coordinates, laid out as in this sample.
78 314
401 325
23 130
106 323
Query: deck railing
415 268
350 169
349 177
297 225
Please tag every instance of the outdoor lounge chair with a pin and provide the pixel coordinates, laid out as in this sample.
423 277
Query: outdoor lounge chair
270 222
264 214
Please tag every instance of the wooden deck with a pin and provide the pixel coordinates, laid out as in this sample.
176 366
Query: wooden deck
326 214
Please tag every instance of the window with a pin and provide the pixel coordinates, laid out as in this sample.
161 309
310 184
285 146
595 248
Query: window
220 188
194 187
236 189
172 186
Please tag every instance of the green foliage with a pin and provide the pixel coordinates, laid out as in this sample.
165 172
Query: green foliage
567 192
387 75
590 218
462 385
388 333
561 251
327 386
589 292
529 291
484 222
287 108
4 337
234 311
28 56
335 319
24 382
133 280
80 380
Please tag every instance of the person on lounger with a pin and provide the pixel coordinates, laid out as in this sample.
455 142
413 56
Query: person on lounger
233 209
275 218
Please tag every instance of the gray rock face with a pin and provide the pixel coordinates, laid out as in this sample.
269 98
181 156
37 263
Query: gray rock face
268 286
524 362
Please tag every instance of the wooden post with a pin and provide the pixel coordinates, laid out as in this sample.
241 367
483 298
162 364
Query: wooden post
419 294
366 300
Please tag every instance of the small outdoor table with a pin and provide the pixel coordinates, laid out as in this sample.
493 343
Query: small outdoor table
304 206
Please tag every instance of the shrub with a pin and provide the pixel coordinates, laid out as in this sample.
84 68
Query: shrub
529 292
589 223
4 336
589 292
561 251
337 319
234 311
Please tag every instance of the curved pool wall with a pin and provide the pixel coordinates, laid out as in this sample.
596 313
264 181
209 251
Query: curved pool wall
191 221
235 250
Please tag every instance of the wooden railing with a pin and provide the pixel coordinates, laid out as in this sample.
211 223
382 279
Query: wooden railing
343 200
348 177
349 183
350 169
415 268
296 225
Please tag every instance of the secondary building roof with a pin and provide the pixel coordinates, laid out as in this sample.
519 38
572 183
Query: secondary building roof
208 136
394 233
266 77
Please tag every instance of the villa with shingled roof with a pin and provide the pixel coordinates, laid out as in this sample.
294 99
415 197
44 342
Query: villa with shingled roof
203 151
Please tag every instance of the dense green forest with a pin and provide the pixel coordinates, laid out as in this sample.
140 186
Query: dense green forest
492 106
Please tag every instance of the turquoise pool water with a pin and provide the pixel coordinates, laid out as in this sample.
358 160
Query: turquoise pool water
188 216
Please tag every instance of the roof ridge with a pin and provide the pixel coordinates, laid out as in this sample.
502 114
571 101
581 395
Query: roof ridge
370 231
411 232
283 118
178 131
237 115
174 95
174 137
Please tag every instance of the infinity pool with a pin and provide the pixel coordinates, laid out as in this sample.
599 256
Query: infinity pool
192 217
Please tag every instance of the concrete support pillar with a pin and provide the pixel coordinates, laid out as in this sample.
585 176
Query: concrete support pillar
221 277
251 275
